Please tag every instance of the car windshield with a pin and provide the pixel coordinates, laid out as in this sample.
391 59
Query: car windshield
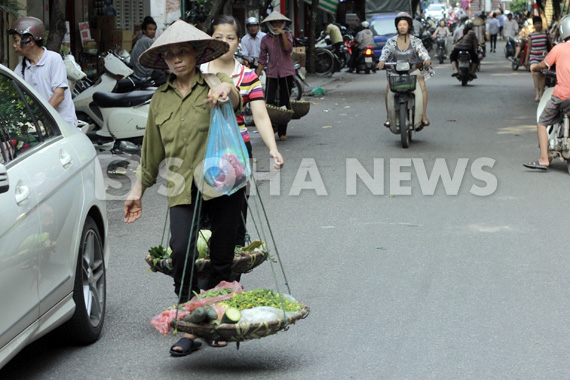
383 26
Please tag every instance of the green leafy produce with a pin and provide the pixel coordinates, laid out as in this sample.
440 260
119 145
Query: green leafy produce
214 293
202 243
259 297
159 253
232 315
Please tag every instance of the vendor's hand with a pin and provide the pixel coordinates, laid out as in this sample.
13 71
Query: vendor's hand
380 65
132 208
217 94
279 31
427 63
279 162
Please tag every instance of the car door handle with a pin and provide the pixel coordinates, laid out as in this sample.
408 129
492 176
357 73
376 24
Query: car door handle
64 158
22 194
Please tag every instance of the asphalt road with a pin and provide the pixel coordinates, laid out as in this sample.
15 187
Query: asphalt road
406 278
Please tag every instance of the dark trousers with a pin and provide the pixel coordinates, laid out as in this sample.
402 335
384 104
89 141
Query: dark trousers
224 214
240 239
493 41
354 57
284 87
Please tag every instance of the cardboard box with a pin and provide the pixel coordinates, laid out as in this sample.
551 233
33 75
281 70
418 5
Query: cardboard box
299 57
123 38
106 22
299 49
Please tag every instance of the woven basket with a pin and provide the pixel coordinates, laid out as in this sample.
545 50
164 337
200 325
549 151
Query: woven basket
279 116
300 108
240 332
243 263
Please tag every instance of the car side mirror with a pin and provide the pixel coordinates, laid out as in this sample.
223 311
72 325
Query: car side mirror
4 184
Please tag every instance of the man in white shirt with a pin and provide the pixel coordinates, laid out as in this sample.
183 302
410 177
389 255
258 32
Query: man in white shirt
251 42
511 27
44 70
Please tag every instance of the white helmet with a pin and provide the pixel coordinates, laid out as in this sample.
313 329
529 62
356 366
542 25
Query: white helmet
365 24
565 28
251 21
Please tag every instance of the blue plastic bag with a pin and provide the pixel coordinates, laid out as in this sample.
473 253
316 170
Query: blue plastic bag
226 164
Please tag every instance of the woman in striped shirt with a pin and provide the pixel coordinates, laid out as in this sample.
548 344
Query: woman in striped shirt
538 41
226 28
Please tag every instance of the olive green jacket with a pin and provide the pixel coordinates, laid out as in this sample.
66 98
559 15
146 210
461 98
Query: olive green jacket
176 137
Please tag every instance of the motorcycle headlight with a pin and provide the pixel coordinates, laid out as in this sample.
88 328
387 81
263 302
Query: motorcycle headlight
402 66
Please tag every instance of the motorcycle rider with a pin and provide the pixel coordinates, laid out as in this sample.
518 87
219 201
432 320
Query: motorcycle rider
559 56
441 33
467 42
406 44
251 42
363 39
43 69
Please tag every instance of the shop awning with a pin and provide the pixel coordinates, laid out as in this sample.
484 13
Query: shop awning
329 6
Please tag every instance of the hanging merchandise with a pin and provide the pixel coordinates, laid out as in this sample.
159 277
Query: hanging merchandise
226 166
226 312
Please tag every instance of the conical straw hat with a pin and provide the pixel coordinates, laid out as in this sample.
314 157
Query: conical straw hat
209 48
275 16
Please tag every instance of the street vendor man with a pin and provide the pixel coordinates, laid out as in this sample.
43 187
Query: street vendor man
43 69
177 133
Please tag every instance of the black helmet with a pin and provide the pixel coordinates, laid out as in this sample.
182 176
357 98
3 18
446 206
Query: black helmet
404 16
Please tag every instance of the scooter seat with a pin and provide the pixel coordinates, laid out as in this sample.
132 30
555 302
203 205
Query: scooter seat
132 83
131 99
565 106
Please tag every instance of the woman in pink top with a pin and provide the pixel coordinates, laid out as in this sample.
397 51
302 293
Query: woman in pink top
275 54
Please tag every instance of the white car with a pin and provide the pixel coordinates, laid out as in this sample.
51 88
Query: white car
436 11
53 224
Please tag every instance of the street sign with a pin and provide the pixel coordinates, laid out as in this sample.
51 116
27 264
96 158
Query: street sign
464 4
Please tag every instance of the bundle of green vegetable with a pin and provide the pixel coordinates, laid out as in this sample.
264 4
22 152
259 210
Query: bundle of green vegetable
214 293
259 297
159 253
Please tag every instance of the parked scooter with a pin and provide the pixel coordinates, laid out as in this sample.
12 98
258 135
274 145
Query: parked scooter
427 40
115 117
405 100
559 133
464 66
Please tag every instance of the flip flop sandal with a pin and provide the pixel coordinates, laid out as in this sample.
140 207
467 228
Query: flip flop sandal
535 165
215 343
188 346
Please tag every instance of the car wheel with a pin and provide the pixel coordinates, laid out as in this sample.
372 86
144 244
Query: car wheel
89 291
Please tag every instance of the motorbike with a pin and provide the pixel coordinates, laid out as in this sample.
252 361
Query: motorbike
366 59
115 107
519 60
427 40
441 50
559 133
464 66
405 100
510 47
